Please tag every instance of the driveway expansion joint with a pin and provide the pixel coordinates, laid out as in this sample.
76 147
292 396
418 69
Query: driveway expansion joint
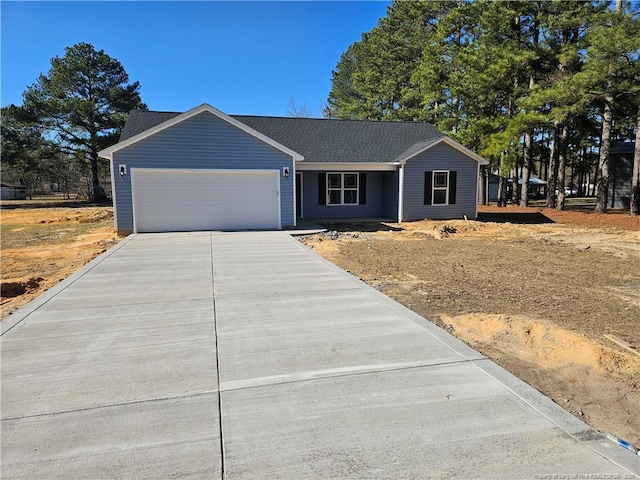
217 361
315 375
110 405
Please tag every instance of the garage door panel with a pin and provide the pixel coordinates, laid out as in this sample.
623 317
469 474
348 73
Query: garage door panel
184 200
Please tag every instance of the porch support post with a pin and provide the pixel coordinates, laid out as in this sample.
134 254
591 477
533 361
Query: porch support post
400 191
294 176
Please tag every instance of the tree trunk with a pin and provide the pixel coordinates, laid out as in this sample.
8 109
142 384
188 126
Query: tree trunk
96 190
562 162
585 174
572 182
635 179
502 191
553 168
544 160
526 170
603 162
514 190
527 161
97 194
483 180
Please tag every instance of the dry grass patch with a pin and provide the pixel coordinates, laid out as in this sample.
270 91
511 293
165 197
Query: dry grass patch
44 245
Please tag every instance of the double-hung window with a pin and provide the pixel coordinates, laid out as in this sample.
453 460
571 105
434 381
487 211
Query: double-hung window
440 187
342 188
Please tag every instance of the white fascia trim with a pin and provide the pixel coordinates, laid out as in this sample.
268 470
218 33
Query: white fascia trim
479 179
452 143
400 192
346 167
205 107
113 195
293 177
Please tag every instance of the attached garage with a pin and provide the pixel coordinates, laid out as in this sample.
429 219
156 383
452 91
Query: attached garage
179 200
200 170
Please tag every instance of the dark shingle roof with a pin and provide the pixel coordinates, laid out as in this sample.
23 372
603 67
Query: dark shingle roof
322 140
141 120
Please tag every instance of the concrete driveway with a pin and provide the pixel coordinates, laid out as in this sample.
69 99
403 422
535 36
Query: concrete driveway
246 355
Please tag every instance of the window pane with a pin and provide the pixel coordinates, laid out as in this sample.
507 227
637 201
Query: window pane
334 180
351 180
439 197
440 179
351 197
334 197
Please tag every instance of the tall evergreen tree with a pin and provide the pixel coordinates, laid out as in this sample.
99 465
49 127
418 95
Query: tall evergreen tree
84 101
500 77
373 79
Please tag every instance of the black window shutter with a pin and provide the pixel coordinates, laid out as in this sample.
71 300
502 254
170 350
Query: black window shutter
428 177
363 189
453 182
322 189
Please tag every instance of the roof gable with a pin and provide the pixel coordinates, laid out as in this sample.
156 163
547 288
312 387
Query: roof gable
166 120
424 146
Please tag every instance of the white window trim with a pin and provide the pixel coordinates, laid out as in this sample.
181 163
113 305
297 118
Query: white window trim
434 188
342 189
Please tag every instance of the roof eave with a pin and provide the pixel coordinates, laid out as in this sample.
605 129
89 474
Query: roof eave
205 107
347 166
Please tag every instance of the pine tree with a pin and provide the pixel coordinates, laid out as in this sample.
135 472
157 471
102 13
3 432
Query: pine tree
84 100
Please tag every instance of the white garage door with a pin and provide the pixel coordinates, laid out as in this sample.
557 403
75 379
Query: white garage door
168 200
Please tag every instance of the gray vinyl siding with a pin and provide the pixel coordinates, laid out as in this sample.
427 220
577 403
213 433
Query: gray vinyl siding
312 208
390 195
440 157
201 142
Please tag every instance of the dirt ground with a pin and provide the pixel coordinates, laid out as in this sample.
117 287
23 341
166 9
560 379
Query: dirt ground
43 243
533 289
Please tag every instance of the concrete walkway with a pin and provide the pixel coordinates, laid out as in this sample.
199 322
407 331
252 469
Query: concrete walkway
199 355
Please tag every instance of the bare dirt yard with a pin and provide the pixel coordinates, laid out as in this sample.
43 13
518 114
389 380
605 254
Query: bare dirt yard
44 242
553 297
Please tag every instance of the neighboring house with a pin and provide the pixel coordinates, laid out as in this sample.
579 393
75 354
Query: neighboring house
13 192
620 174
206 170
537 187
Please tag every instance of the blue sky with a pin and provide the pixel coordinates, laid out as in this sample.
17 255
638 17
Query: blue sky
241 57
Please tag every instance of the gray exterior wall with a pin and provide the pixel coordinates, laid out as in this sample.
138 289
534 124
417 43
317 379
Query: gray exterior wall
201 142
313 209
440 157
